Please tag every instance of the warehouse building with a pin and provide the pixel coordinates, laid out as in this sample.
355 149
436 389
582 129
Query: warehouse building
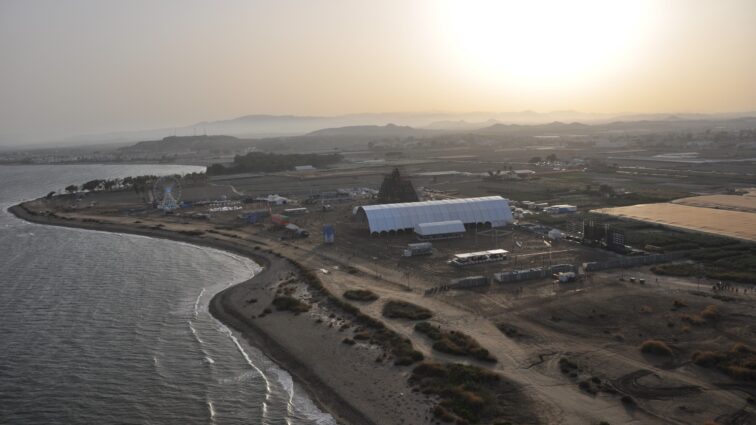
489 210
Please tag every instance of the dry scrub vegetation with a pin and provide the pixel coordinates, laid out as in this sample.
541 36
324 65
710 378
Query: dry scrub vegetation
373 330
287 303
360 295
394 309
470 395
738 363
656 347
454 342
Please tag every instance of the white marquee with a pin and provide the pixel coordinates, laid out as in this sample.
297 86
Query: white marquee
388 217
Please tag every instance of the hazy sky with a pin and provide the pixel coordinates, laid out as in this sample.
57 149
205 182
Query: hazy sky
76 67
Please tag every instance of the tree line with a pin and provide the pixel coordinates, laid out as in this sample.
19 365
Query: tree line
139 184
271 162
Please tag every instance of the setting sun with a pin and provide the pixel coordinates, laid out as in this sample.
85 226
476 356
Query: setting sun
545 43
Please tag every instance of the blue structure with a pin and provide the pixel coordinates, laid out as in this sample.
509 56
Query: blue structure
328 233
253 217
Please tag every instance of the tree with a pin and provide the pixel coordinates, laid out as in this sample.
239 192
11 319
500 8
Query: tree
91 185
216 169
72 188
535 160
606 190
108 184
551 158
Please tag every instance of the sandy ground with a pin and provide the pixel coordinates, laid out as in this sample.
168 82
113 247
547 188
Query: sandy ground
580 322
746 203
736 224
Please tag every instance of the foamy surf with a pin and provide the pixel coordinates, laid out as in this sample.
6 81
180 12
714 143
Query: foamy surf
194 332
298 405
196 303
211 409
244 354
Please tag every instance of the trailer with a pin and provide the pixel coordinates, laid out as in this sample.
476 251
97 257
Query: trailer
560 209
296 211
415 249
297 231
469 282
520 275
472 258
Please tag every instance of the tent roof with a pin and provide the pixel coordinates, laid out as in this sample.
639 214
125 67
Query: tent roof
488 209
440 228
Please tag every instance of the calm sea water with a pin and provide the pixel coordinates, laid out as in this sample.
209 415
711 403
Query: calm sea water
106 328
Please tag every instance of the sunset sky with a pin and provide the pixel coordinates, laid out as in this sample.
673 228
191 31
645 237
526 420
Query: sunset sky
78 67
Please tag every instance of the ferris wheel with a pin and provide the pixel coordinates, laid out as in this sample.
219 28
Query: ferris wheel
167 193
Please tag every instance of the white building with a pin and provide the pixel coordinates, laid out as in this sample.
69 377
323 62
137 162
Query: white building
489 210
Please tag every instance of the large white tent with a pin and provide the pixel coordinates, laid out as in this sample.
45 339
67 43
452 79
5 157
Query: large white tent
387 217
440 228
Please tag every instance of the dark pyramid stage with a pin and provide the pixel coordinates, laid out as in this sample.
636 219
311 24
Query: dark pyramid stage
396 188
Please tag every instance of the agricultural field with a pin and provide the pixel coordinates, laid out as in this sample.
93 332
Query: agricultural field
734 224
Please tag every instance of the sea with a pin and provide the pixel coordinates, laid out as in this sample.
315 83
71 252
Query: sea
104 328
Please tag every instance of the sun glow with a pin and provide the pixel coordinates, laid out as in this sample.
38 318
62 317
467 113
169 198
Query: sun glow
545 44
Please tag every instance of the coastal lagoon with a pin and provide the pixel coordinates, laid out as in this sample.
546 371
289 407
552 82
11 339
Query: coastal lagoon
112 328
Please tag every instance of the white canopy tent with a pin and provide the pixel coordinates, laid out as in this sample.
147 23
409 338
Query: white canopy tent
387 217
440 228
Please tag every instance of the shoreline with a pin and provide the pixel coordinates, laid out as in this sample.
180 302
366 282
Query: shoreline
221 306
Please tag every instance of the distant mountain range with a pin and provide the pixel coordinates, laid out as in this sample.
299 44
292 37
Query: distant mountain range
388 130
344 137
179 144
405 124
676 124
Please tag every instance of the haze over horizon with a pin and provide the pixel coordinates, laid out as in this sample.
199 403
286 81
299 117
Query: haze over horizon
86 67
